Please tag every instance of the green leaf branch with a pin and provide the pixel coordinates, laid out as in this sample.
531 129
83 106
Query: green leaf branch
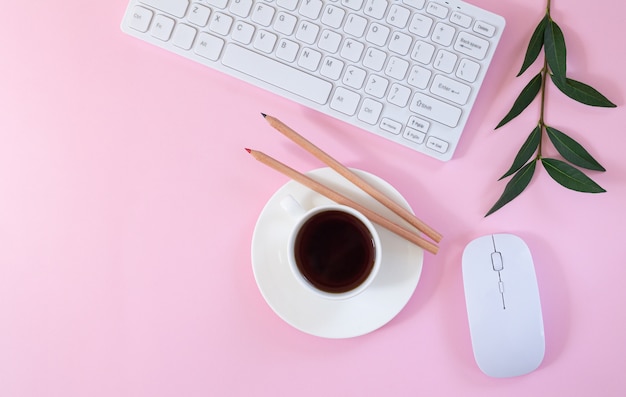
549 37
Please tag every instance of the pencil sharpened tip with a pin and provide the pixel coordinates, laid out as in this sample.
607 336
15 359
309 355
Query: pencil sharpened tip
248 150
264 115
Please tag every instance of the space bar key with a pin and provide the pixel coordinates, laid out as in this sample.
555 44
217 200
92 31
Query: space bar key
277 74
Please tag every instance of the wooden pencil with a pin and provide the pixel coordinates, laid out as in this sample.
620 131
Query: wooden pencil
352 177
343 200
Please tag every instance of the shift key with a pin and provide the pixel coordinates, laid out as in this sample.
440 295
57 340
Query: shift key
435 109
176 8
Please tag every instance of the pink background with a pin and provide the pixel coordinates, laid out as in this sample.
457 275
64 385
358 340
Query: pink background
127 204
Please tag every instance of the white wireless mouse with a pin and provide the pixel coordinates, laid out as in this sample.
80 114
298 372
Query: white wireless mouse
503 305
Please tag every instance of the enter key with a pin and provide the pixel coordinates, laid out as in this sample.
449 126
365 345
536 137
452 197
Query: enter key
451 90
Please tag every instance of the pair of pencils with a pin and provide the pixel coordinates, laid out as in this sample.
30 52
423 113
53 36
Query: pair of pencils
337 197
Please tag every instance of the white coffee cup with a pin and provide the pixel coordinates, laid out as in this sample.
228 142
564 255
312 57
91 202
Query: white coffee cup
334 251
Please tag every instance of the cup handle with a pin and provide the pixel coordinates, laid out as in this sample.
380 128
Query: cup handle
292 207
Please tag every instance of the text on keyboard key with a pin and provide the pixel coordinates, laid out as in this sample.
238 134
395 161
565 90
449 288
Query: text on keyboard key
209 46
345 101
414 135
162 27
471 45
277 74
437 10
370 111
141 19
391 126
437 144
435 109
450 89
484 28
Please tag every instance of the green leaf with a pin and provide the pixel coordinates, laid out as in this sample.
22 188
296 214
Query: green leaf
535 45
523 100
527 150
570 177
555 50
582 93
516 185
572 151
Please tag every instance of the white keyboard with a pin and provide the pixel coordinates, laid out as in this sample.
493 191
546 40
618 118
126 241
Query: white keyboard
407 70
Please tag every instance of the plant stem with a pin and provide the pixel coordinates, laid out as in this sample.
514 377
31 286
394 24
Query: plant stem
542 124
544 77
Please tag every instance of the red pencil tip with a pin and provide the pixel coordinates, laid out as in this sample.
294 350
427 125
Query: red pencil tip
248 150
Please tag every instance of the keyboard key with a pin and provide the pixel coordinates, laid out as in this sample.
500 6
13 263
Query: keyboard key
445 61
370 111
390 125
288 4
311 8
355 25
437 10
287 50
310 59
176 8
398 16
435 109
418 124
423 52
140 20
420 25
484 28
285 23
419 77
183 36
437 144
461 19
199 15
443 34
241 8
307 32
277 74
400 43
217 3
374 59
353 4
414 135
263 14
468 70
209 46
376 86
399 95
221 23
471 45
352 50
375 8
452 90
378 34
354 77
333 16
265 41
332 68
329 41
243 32
345 101
397 68
162 27
418 4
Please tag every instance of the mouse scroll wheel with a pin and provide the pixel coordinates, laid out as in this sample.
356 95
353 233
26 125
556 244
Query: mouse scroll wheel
496 261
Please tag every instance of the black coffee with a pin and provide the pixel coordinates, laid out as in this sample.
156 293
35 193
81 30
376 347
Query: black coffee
335 251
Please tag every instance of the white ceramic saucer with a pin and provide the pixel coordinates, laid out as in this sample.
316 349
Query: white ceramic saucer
366 312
